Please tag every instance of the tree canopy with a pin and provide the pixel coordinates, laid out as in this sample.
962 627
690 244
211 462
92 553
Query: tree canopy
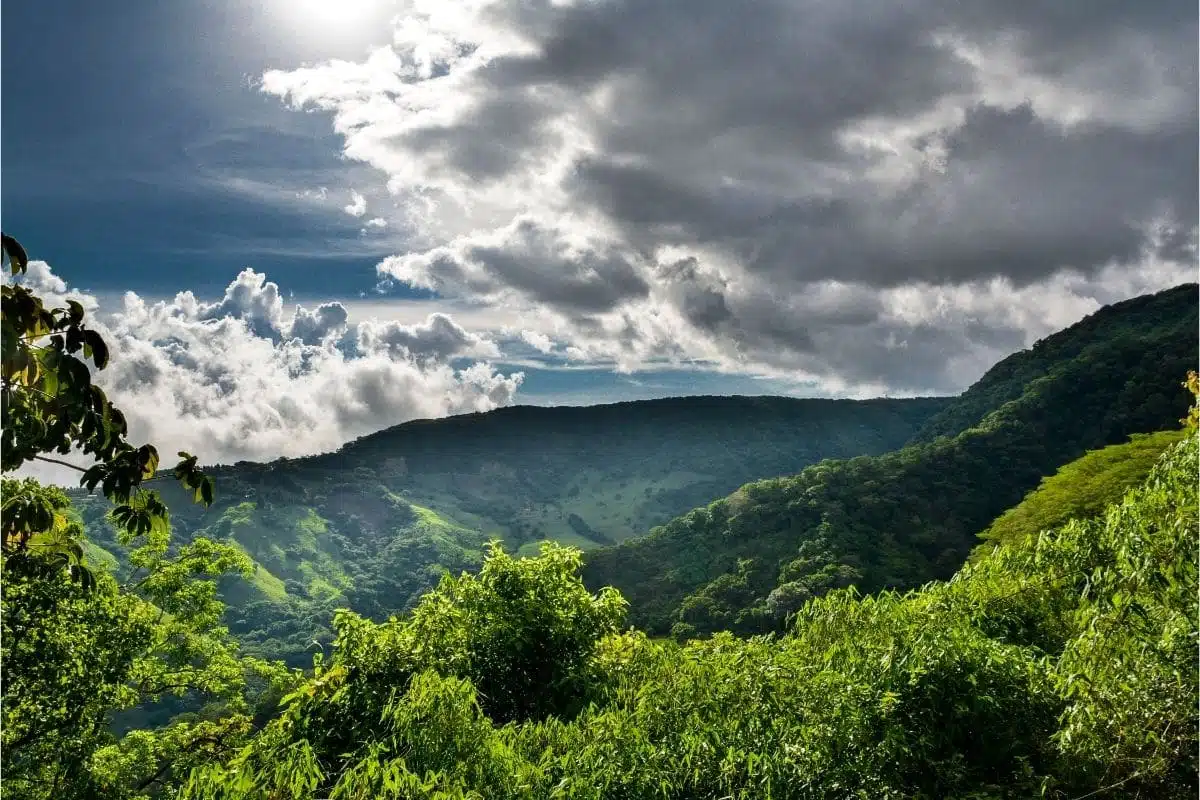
79 644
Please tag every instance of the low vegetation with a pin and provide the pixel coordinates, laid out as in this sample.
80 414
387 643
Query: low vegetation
1081 489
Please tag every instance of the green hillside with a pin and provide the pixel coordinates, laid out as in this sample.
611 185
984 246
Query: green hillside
374 525
1006 682
1060 665
1081 489
1133 319
745 562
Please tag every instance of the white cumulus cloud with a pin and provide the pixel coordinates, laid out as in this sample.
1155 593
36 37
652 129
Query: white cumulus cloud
358 205
239 379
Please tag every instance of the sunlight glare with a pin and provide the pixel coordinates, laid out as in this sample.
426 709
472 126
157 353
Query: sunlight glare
336 14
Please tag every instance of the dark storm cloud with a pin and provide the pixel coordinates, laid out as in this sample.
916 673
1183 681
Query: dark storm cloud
534 261
499 134
767 179
1017 197
702 67
1020 195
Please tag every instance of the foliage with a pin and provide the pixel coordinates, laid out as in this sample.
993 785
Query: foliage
74 653
77 645
517 642
1082 488
522 630
1006 682
51 405
1192 384
1138 318
901 519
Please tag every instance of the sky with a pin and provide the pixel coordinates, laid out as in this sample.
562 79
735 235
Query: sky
302 221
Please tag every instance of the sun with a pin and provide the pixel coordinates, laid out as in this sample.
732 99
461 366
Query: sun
317 29
332 15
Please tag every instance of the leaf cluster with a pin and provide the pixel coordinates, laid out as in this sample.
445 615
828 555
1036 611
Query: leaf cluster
49 404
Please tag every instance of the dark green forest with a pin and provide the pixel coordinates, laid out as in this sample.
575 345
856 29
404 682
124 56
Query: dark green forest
989 596
1007 681
745 562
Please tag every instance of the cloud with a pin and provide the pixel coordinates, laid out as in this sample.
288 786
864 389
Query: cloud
314 327
53 290
876 198
39 277
439 338
358 205
250 298
538 341
529 260
238 379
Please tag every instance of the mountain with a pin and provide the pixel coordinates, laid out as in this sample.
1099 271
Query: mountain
1133 319
901 519
374 525
1006 682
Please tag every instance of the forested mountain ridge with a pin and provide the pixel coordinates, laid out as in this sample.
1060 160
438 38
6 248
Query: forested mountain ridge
745 562
1006 682
1009 377
373 525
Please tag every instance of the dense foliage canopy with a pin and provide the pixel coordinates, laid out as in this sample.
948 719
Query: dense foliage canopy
1059 666
1081 489
1140 318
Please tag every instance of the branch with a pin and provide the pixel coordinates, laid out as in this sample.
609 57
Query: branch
159 476
158 774
24 387
1108 788
60 463
132 574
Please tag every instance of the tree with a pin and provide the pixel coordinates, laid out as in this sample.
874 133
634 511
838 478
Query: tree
79 645
1062 666
519 642
50 405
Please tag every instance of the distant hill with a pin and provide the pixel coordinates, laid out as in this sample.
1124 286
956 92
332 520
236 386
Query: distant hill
1006 682
901 519
374 525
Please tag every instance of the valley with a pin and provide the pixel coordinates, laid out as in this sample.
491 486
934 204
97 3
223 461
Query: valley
373 526
893 493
